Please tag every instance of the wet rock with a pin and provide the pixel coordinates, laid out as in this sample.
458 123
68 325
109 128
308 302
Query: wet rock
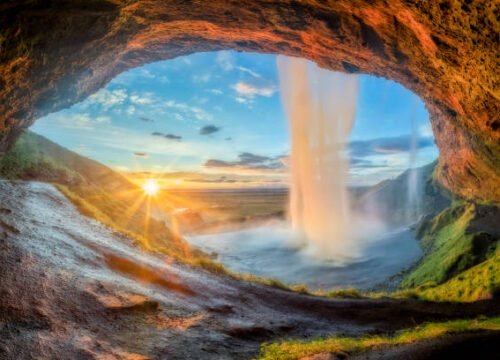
8 227
248 331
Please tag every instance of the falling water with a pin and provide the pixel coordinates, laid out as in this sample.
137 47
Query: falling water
321 106
413 207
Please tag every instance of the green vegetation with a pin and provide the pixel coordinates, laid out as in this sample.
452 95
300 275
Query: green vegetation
479 282
98 192
35 158
344 346
461 252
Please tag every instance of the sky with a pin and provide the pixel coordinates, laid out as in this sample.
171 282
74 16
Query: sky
217 118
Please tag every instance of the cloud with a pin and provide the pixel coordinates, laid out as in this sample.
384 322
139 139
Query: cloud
221 180
167 136
145 73
173 137
209 129
228 139
141 155
225 60
249 71
216 91
249 158
246 89
388 145
80 121
142 99
188 111
242 100
109 98
130 110
217 163
202 78
249 161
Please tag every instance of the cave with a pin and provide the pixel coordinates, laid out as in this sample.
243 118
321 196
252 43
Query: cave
80 281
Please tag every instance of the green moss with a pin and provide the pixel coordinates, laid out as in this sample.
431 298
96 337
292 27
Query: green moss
479 282
346 294
344 346
451 246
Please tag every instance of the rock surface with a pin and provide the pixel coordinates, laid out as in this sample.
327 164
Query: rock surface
56 53
73 289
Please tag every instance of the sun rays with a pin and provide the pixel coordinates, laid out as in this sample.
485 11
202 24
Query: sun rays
151 187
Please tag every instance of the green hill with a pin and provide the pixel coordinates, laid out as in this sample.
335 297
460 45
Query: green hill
97 191
462 254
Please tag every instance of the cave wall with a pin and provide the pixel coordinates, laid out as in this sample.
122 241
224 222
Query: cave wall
54 53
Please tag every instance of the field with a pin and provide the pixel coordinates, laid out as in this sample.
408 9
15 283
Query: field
219 210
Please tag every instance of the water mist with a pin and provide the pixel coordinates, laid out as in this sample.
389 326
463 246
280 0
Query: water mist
321 106
414 181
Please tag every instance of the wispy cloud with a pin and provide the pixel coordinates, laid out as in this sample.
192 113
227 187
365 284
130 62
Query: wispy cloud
216 91
387 145
246 89
188 110
109 98
142 99
209 129
249 161
167 136
130 110
146 119
142 155
225 60
79 121
201 78
249 71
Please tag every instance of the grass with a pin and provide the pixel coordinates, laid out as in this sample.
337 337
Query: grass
451 246
342 346
168 245
479 282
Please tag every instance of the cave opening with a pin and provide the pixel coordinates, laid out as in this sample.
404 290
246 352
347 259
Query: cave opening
207 139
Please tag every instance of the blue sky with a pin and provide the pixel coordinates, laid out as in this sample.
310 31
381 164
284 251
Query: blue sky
221 113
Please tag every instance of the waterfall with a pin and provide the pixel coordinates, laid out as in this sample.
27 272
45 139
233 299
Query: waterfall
414 181
320 106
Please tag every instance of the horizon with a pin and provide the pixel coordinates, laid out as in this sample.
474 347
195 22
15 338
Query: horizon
222 122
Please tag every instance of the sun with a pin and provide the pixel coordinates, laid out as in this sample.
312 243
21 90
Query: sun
151 187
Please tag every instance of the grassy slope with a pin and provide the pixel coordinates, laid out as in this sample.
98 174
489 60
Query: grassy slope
461 254
479 282
342 346
96 190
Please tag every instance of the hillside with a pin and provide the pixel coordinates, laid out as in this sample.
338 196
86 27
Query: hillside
98 191
390 198
462 254
36 158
